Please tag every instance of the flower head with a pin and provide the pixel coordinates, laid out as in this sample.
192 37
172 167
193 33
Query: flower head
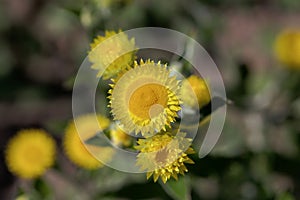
194 92
164 155
287 48
145 99
120 137
30 153
112 54
85 128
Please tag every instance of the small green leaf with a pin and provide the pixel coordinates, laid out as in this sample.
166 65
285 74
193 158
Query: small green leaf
179 189
42 190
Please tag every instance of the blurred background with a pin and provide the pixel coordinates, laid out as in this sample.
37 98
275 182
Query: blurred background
42 44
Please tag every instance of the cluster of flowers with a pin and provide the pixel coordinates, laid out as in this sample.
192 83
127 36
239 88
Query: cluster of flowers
145 99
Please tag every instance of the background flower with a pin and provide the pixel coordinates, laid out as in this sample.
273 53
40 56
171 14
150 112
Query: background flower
194 92
287 48
120 138
85 128
30 153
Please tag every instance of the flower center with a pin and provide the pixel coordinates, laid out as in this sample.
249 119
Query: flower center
161 156
148 101
33 154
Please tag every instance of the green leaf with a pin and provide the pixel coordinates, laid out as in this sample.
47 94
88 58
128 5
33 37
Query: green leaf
285 196
178 189
42 188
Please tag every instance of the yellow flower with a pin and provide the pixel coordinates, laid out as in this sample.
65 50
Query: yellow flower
22 197
85 128
287 48
194 92
112 54
145 99
164 155
30 153
120 138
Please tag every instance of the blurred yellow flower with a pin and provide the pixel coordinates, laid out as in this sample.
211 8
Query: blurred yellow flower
145 99
287 48
85 128
120 138
194 92
30 153
112 54
164 155
22 197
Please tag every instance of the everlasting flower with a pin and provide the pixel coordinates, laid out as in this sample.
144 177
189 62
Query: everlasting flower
30 153
85 128
194 92
145 99
120 138
112 54
164 155
287 48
